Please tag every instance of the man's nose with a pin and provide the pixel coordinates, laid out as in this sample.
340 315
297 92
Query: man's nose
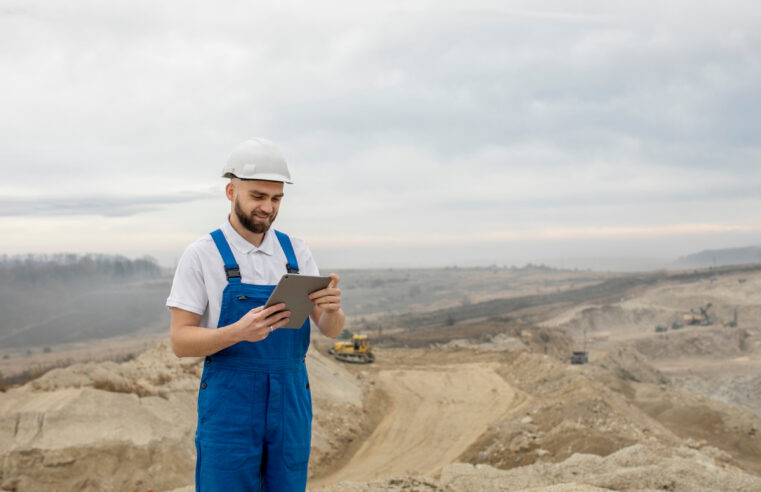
266 207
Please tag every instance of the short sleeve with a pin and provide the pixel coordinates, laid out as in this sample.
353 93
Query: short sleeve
307 265
188 287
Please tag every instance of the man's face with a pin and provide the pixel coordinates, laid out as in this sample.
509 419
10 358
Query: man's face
255 203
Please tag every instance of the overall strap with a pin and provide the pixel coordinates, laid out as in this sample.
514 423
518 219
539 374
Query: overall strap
231 266
285 243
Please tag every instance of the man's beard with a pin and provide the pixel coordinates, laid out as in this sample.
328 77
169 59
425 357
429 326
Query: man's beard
248 222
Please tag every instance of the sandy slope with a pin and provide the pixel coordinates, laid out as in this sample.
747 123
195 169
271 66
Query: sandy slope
107 426
434 404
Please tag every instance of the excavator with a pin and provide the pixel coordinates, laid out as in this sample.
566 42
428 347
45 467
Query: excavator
357 351
702 319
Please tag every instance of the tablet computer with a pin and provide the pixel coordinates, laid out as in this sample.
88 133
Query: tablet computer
294 290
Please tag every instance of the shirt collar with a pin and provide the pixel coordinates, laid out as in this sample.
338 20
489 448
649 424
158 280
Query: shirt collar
242 245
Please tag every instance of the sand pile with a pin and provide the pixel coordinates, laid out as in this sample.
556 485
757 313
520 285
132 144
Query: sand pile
710 341
498 343
640 466
699 421
606 317
637 467
567 410
605 407
628 364
75 428
156 372
130 426
337 405
739 389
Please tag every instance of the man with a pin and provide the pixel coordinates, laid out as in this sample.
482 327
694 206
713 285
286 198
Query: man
254 404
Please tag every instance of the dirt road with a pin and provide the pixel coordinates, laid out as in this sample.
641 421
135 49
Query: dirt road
435 413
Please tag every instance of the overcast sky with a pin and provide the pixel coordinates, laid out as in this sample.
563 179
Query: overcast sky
418 133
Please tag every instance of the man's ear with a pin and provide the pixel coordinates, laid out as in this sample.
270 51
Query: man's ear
230 190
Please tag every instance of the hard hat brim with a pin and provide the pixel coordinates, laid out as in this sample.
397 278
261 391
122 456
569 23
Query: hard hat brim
260 177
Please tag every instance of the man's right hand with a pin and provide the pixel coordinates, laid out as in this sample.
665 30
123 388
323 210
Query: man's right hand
191 340
258 323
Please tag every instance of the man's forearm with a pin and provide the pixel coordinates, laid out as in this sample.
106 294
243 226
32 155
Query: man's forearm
331 323
195 341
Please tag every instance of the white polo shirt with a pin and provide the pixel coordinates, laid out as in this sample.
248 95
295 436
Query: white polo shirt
200 277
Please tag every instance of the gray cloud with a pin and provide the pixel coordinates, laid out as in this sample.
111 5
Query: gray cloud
105 205
702 195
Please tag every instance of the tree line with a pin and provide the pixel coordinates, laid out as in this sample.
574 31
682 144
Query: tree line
32 268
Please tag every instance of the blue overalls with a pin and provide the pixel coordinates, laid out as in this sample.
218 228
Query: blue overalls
254 405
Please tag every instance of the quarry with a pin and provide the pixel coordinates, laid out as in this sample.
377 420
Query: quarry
483 400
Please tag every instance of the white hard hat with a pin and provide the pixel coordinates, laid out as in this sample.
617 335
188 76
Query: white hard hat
257 158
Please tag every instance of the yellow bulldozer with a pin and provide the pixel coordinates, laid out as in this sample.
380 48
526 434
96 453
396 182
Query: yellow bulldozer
357 351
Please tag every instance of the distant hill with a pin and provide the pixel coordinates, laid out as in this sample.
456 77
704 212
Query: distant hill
51 299
719 257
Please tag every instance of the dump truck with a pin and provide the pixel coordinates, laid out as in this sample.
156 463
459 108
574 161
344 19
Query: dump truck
580 357
358 351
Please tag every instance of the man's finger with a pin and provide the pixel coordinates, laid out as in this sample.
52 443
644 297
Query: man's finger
334 280
273 309
327 299
328 291
274 318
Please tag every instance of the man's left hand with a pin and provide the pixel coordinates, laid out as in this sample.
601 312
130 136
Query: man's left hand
329 298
